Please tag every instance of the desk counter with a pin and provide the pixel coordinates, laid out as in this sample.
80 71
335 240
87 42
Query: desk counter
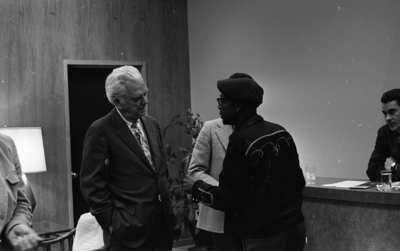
350 219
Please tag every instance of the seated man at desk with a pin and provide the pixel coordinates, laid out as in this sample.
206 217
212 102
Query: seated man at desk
386 154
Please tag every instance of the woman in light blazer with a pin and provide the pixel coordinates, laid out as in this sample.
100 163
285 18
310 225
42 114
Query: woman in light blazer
206 164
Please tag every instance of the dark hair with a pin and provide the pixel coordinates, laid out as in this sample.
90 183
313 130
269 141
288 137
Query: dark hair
241 75
390 96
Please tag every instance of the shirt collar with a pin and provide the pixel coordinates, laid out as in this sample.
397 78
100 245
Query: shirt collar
128 123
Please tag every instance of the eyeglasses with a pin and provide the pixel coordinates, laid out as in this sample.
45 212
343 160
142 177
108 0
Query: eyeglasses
221 101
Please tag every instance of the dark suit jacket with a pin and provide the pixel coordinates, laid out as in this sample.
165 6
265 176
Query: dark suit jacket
119 183
386 146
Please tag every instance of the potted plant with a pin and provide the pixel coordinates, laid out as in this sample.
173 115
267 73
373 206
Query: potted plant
182 205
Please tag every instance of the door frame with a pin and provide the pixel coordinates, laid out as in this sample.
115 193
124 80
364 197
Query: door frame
83 64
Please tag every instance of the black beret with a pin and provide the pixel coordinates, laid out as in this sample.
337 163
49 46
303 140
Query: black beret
242 89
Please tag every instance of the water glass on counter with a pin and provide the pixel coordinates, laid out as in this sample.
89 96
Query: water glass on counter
386 180
310 175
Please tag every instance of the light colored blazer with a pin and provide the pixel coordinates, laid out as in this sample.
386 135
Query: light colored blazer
206 164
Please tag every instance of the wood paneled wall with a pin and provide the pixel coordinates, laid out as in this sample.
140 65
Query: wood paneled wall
37 35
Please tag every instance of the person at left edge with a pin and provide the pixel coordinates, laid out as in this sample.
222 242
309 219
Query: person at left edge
15 209
124 176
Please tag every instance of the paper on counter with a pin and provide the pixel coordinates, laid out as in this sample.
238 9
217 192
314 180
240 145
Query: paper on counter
347 183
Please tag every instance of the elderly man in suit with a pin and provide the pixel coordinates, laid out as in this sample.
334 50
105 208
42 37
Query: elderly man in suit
124 172
15 208
206 164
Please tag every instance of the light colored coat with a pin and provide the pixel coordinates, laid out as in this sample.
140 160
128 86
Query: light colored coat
14 205
206 164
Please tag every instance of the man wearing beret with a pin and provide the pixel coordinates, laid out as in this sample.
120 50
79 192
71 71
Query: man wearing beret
206 164
261 183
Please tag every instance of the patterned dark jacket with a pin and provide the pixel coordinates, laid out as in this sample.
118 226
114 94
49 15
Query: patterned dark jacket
261 182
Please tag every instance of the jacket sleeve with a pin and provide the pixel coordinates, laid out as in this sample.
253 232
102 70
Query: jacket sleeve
94 175
378 157
199 167
213 197
22 213
233 189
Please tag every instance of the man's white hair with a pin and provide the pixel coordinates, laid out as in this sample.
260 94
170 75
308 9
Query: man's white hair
118 78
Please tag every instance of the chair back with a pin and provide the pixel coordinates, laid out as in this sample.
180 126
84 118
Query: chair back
58 240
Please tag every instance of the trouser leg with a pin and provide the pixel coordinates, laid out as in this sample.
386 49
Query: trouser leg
224 242
292 239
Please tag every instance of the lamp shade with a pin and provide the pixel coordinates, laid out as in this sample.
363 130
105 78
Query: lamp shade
29 143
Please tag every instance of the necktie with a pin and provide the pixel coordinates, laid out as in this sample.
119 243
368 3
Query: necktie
142 142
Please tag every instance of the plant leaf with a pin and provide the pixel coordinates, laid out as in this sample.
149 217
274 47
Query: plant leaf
173 122
168 149
184 150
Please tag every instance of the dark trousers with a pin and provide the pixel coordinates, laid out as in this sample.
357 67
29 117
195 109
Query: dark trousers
292 239
223 242
159 238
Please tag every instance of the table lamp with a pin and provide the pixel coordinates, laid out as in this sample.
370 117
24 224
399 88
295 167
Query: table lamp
29 143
